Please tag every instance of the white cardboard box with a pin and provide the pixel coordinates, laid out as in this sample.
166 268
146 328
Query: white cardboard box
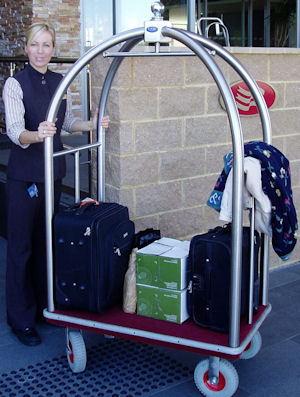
164 264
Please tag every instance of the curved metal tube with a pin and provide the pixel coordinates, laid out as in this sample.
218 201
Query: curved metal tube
238 175
267 135
237 148
102 106
224 29
245 75
266 126
191 40
48 144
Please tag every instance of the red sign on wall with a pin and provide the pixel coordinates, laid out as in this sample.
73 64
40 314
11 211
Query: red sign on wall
245 102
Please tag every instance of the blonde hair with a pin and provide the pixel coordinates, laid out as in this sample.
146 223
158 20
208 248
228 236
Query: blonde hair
36 28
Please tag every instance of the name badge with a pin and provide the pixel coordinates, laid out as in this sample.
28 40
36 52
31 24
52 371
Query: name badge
33 190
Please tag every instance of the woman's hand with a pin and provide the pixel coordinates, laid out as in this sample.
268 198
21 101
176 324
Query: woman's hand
104 122
46 129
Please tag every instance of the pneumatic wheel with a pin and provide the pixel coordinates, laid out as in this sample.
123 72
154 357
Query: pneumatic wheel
76 351
253 348
225 387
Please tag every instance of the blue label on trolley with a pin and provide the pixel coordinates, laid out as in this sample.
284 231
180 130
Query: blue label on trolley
152 29
33 190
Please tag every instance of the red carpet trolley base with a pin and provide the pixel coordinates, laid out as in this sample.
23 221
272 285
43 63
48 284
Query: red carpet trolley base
214 376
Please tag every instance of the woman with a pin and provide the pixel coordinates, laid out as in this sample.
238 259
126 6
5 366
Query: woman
26 97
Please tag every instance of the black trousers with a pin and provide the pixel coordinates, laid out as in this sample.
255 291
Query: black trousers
26 275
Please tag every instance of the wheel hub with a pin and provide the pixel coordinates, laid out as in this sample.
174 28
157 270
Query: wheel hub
70 352
211 385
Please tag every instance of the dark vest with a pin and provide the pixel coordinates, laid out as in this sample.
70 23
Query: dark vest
38 89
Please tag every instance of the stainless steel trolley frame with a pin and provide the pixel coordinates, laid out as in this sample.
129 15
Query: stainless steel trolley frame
236 344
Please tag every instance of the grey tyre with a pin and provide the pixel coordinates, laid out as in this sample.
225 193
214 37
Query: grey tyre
253 348
228 379
76 351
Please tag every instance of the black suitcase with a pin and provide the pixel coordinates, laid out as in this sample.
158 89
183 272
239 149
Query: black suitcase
210 261
92 244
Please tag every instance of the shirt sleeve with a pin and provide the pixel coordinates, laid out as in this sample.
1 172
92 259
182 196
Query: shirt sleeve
14 110
69 116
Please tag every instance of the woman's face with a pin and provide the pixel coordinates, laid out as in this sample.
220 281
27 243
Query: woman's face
40 51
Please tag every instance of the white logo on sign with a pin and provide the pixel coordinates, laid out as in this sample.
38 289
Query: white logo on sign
244 99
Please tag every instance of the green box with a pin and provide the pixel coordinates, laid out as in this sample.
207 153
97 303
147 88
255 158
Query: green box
164 264
162 304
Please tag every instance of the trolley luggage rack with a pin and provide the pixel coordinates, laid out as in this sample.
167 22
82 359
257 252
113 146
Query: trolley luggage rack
213 375
187 336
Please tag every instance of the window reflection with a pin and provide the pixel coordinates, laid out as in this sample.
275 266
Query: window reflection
97 16
176 12
255 23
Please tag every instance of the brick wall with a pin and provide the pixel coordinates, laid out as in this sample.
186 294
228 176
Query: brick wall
65 16
16 16
168 135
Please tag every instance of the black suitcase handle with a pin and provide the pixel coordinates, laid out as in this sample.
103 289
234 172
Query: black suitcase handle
221 229
146 237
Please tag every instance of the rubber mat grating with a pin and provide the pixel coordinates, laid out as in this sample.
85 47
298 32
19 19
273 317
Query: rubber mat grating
116 368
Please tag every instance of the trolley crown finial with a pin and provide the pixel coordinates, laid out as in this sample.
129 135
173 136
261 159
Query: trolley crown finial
158 9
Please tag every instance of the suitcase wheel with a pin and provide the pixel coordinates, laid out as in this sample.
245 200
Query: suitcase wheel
76 351
253 348
224 386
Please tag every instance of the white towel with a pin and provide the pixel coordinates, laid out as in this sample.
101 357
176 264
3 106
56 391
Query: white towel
252 188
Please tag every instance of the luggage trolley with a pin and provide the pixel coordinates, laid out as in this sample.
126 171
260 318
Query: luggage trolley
214 376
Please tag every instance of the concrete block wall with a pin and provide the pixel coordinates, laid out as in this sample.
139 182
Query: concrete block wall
168 134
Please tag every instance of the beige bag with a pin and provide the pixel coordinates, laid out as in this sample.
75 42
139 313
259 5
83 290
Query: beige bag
129 289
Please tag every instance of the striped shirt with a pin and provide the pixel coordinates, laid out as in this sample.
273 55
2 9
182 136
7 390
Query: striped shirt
15 111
